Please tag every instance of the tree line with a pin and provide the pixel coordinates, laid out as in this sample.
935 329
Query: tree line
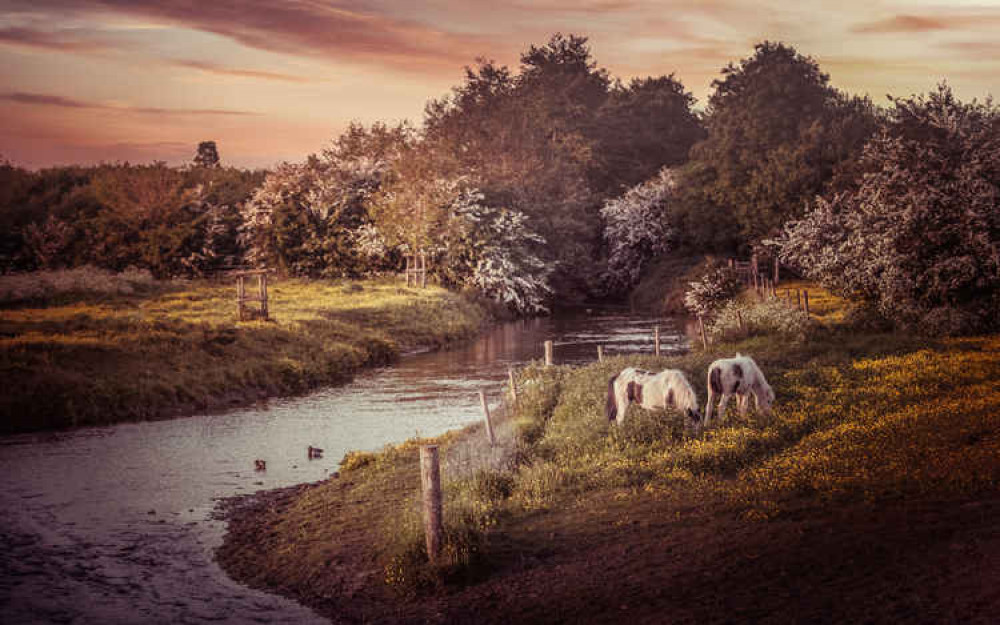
555 180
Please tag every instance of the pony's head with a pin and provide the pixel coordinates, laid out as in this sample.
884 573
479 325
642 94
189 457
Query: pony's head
765 397
687 400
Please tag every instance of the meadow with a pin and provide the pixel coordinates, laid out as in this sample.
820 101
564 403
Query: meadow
90 347
853 500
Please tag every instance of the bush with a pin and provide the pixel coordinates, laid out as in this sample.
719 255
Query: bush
707 295
918 238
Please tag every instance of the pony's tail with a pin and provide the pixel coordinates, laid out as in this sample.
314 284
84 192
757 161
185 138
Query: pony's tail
611 406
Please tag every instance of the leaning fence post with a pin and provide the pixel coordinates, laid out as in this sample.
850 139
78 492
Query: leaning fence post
513 386
600 353
656 340
739 320
486 418
805 299
430 483
548 353
701 327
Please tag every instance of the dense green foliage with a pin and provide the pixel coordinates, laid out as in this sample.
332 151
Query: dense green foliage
169 221
777 132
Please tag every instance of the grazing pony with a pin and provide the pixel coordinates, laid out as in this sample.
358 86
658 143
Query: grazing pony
738 376
666 389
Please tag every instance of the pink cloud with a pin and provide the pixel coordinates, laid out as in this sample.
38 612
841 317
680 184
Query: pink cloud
341 31
58 41
45 99
221 70
927 23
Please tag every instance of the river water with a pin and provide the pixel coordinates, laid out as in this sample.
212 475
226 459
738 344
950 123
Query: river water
114 524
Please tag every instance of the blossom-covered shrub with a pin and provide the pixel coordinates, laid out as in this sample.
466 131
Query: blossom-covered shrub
306 218
919 238
707 295
636 229
494 251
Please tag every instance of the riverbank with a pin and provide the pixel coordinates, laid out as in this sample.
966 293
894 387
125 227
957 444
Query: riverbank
94 355
868 495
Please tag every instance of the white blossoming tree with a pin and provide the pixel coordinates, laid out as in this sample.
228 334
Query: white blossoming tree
306 217
637 229
495 252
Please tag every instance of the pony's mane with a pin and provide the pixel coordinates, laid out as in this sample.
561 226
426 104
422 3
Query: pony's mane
686 397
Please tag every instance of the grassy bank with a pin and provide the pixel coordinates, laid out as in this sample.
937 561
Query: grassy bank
93 348
868 495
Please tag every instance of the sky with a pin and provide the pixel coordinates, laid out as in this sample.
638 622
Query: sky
88 81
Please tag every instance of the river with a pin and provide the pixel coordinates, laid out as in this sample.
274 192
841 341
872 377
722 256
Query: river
114 524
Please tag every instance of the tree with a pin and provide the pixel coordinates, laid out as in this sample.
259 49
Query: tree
771 121
495 252
641 129
918 236
307 218
522 140
637 229
150 217
207 155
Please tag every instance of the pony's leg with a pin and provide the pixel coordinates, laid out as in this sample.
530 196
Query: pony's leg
708 408
722 405
743 402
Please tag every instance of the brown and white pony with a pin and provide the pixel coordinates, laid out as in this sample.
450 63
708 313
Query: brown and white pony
738 376
666 389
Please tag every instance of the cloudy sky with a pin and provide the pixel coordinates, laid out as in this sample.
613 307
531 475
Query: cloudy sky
85 81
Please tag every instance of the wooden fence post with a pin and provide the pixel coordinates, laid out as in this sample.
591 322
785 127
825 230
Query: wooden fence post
656 340
548 353
263 295
486 418
739 320
513 386
776 265
701 327
798 299
600 353
805 298
241 297
430 483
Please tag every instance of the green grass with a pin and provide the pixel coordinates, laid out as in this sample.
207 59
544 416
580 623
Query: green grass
94 357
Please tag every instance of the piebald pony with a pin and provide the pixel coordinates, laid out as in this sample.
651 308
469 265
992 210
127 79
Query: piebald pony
738 376
666 389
